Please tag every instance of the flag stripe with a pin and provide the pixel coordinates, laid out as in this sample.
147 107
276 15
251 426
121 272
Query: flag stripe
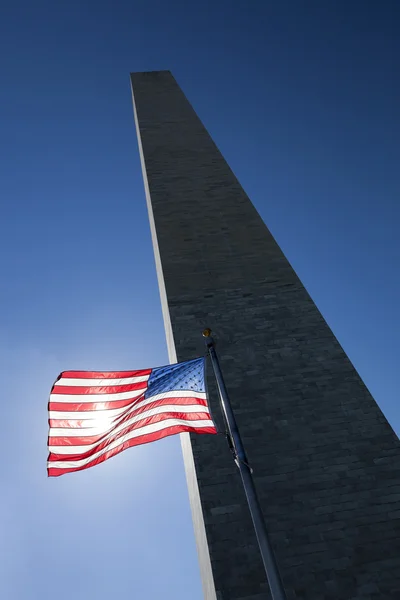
103 374
90 406
54 399
97 390
100 381
55 469
96 397
71 420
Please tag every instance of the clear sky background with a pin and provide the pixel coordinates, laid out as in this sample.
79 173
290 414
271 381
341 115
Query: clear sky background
302 98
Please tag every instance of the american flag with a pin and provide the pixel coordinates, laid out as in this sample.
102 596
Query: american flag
94 416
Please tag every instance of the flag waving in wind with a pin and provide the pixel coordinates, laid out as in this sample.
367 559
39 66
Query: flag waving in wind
94 416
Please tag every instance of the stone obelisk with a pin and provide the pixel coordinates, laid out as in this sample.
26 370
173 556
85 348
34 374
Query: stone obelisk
326 462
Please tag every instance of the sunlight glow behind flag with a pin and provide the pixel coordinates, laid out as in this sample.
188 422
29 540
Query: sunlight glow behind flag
94 416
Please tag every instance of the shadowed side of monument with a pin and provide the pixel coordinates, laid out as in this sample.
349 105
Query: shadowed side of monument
326 462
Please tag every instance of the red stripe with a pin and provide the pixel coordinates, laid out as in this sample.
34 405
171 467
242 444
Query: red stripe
105 439
144 439
84 390
103 374
78 423
92 406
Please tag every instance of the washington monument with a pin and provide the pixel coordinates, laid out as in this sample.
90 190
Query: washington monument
326 462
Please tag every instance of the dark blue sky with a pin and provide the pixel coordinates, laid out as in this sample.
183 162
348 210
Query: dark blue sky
303 100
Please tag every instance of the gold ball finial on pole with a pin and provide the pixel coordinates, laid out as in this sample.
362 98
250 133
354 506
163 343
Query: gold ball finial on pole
207 332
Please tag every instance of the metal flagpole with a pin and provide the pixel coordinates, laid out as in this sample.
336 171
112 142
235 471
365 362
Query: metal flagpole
267 554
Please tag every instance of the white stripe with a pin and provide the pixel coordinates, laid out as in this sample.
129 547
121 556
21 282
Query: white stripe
88 415
132 434
78 399
111 428
101 382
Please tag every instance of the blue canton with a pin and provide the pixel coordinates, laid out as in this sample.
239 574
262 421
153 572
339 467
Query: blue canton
182 376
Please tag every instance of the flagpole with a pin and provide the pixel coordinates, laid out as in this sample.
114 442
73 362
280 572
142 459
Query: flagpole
267 554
